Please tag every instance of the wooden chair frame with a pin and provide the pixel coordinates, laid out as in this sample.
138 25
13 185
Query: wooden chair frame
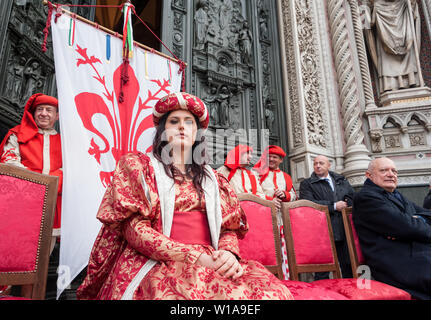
274 269
348 229
33 284
294 268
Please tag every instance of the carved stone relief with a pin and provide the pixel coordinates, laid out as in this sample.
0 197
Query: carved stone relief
317 126
392 141
296 122
234 68
178 11
417 139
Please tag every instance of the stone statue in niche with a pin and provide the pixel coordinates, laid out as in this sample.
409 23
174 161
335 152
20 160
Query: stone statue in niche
201 24
237 12
269 114
394 42
15 76
223 65
219 107
213 17
263 20
223 99
213 106
233 39
33 80
245 42
225 22
234 115
225 14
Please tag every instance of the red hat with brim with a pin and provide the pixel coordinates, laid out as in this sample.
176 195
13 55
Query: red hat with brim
183 101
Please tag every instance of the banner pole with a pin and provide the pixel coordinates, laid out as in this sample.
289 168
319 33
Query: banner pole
115 34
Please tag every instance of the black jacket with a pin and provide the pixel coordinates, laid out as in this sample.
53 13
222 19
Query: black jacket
406 261
427 201
320 192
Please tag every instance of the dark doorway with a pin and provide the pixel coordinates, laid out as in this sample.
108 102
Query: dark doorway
148 10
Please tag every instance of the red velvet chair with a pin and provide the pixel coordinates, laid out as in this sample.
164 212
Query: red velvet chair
27 206
311 248
355 253
262 243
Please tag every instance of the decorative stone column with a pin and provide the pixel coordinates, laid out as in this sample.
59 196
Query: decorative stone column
356 154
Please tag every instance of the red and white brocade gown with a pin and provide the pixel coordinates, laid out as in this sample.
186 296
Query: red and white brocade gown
132 234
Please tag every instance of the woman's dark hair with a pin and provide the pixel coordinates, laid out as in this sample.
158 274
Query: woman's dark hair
195 170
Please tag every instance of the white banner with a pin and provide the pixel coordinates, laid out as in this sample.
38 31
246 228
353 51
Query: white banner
96 129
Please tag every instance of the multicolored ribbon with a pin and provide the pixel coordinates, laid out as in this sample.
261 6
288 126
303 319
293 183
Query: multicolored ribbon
127 31
72 26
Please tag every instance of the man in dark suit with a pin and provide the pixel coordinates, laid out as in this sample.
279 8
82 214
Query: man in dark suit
333 190
394 233
427 200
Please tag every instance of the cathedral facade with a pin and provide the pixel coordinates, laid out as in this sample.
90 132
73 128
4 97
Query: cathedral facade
307 75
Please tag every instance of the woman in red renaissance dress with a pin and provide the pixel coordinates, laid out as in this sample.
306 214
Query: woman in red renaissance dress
171 223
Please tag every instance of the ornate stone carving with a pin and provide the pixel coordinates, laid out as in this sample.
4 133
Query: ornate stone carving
179 12
317 127
417 139
222 60
376 136
294 103
392 141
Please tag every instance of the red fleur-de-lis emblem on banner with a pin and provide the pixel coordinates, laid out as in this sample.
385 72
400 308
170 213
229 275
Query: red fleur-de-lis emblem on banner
125 128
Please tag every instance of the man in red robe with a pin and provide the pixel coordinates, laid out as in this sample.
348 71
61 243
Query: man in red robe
275 182
35 144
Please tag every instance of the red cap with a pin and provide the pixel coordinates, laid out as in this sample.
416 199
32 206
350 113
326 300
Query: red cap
273 149
44 99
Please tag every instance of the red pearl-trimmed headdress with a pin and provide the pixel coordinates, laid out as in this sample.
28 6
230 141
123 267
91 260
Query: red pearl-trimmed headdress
184 101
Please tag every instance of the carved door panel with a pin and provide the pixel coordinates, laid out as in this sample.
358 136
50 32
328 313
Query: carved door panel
231 49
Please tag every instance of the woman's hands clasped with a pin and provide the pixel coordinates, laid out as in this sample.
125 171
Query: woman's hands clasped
223 262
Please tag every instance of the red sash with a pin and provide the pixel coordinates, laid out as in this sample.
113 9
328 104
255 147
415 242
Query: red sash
191 228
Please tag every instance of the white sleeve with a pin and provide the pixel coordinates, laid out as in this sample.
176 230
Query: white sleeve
11 153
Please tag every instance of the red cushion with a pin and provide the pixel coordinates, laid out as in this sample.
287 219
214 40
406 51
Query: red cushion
258 243
307 291
356 239
21 208
310 236
13 298
358 289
